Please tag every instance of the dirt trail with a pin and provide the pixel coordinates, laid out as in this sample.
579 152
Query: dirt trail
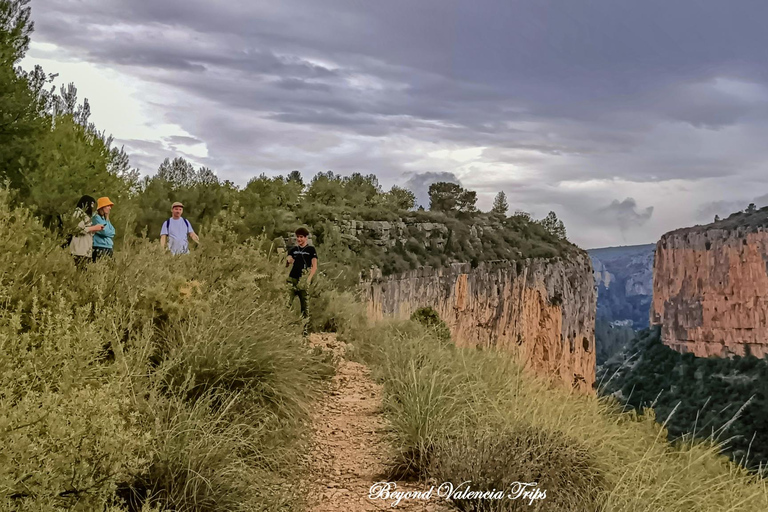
349 451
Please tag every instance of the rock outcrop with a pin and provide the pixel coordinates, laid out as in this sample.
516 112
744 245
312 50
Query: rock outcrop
710 287
388 233
542 310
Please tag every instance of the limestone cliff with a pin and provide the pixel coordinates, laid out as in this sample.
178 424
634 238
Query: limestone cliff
543 310
710 287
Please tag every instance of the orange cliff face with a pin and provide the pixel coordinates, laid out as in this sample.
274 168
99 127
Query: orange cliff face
710 289
544 311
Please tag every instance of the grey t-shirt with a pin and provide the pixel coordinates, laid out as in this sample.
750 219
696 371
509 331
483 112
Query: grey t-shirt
177 231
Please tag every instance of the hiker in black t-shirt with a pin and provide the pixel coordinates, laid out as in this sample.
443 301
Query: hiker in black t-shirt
300 258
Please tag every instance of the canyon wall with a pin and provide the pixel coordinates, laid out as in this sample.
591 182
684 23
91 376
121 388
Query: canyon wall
710 288
542 310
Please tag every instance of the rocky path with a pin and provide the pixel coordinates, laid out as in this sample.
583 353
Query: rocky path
348 447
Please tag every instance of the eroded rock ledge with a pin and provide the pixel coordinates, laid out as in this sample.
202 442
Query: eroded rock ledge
543 310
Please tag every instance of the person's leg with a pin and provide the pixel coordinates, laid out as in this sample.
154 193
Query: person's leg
292 291
100 252
304 302
82 261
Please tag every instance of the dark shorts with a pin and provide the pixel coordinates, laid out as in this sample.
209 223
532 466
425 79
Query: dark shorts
100 252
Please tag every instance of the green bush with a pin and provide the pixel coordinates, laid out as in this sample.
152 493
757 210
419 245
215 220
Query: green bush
430 318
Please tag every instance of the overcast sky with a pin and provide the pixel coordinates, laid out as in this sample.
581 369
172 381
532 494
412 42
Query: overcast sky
627 118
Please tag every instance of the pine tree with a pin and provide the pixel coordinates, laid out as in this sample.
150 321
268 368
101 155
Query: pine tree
399 198
500 205
295 176
553 225
451 197
23 99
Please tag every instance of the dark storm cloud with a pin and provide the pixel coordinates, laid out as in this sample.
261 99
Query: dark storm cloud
552 91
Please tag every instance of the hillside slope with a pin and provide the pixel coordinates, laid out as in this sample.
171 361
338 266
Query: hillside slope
720 397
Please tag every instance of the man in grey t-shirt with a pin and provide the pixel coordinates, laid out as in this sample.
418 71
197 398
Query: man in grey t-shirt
176 230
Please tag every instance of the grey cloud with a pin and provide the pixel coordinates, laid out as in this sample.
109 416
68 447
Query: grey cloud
419 184
626 214
707 211
555 92
183 139
761 201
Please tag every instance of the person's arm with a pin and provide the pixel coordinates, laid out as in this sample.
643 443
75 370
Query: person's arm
312 270
100 223
191 232
85 228
163 236
108 231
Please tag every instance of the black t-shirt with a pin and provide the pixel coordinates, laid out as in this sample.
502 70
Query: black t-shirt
302 258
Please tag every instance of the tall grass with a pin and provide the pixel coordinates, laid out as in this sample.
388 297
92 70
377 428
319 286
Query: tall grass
148 382
466 414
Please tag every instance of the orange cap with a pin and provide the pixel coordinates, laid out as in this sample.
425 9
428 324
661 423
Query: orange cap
102 202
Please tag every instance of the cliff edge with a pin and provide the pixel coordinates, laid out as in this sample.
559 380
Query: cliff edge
710 287
542 309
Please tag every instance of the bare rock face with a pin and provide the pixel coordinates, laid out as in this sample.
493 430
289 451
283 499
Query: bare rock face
710 290
542 310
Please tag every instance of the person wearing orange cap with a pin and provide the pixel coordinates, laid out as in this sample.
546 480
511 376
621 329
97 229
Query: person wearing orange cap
103 240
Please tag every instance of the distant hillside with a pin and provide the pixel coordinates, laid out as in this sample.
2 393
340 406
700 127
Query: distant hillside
624 277
624 280
727 398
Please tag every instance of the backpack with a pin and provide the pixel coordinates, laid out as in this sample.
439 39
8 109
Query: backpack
168 225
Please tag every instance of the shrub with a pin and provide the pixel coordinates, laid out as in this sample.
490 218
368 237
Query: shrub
430 318
495 460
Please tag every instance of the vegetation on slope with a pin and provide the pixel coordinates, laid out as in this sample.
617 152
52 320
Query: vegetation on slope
721 398
149 380
747 220
465 414
610 339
